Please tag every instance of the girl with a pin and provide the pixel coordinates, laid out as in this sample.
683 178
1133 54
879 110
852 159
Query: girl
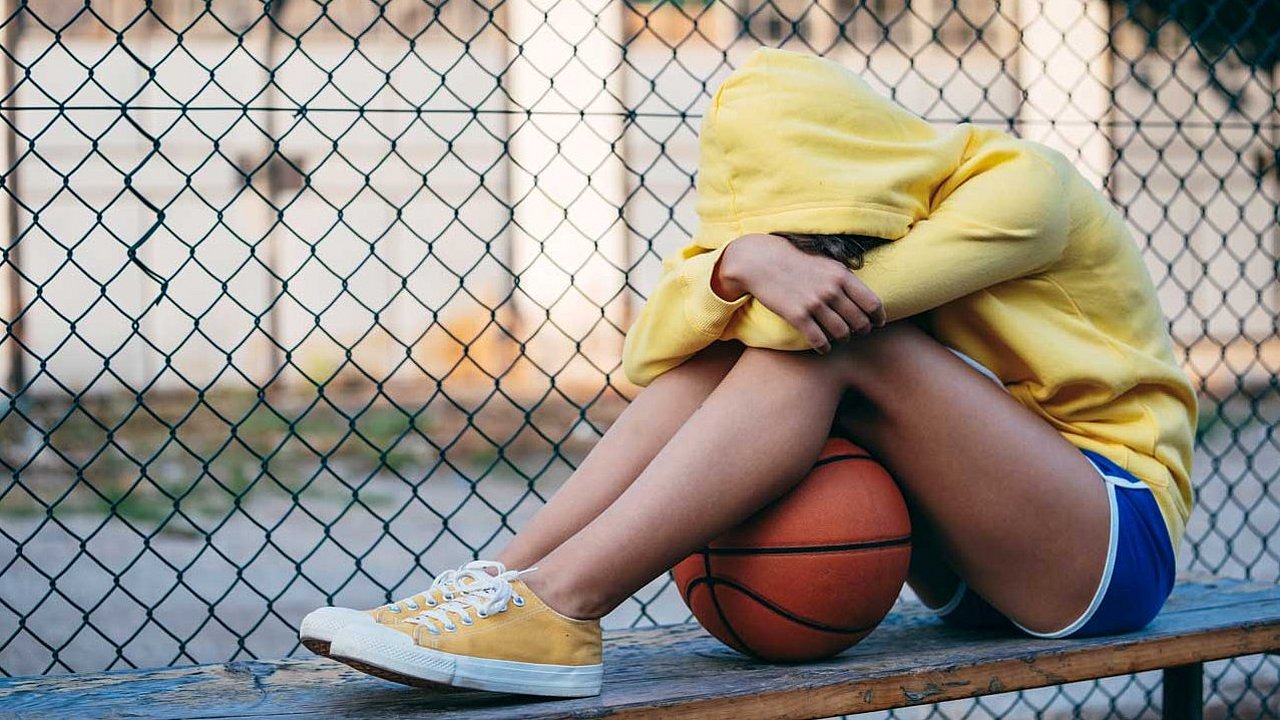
856 270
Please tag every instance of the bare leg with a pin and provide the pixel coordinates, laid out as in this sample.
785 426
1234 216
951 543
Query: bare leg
754 437
629 445
1019 512
930 576
998 497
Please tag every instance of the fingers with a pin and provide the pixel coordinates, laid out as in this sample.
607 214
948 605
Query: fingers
830 316
835 306
857 321
835 325
813 333
846 309
861 295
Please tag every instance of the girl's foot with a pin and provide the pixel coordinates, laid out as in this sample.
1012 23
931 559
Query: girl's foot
494 635
320 626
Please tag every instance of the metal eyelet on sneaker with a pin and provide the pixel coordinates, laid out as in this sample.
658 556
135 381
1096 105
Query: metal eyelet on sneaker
519 601
481 614
431 603
468 621
451 628
411 606
394 608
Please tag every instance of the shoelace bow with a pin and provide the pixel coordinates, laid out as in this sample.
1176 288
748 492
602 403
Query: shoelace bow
453 577
487 595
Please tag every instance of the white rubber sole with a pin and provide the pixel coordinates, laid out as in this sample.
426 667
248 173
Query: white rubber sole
375 647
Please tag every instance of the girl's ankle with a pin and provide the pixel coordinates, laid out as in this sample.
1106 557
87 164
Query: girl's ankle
562 597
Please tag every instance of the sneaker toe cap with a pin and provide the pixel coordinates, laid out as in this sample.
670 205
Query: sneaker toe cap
323 624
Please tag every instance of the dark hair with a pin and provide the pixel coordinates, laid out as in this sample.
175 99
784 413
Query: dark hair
847 248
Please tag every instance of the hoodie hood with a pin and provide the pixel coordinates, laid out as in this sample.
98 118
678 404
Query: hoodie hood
796 143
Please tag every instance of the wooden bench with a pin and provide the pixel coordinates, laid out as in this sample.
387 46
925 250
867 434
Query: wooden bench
682 672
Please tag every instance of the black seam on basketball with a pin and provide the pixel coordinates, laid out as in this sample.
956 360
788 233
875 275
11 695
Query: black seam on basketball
712 582
838 458
715 602
805 549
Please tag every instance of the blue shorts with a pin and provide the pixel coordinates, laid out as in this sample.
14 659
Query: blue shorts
1138 576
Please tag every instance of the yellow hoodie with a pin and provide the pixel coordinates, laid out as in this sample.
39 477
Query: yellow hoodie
1018 260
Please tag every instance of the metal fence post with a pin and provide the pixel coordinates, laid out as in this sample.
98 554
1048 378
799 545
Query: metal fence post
1183 692
9 38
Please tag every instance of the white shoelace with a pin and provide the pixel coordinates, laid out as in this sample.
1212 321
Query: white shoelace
449 579
486 596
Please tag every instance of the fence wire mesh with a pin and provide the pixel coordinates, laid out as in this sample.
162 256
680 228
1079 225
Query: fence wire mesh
308 300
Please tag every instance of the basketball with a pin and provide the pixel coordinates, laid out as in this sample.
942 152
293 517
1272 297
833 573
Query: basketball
812 573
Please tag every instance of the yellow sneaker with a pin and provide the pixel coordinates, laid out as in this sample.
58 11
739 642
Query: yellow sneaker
496 635
319 626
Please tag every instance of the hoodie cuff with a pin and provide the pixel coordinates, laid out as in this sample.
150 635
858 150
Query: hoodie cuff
704 309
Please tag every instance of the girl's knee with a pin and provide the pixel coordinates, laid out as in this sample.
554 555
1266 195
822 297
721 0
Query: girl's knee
858 363
708 365
871 361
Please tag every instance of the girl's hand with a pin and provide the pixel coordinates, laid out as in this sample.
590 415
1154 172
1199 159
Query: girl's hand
820 296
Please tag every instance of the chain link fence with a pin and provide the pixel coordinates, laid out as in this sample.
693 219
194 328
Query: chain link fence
306 301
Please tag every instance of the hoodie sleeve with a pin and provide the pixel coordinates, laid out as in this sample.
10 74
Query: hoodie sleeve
1003 215
682 316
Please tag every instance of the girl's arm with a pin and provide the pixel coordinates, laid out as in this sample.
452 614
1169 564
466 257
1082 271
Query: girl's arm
1001 215
682 315
699 295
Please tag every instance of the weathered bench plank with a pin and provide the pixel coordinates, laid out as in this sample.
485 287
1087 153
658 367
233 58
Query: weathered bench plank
683 672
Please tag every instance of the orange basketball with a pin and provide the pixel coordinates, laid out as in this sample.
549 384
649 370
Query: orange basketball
814 572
